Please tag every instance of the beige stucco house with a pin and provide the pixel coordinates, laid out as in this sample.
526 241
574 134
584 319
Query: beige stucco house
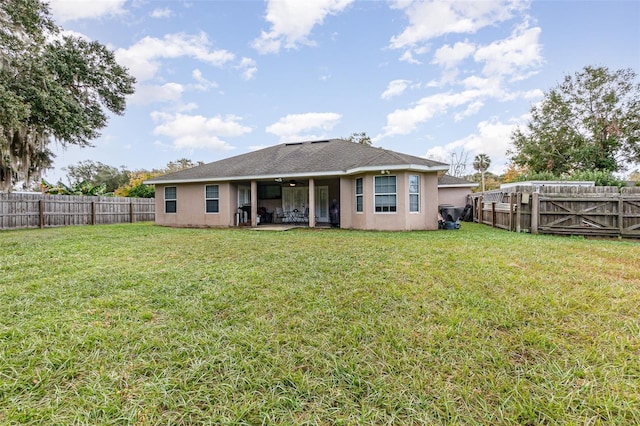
375 188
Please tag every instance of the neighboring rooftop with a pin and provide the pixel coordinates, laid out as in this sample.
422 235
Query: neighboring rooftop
301 159
539 183
455 182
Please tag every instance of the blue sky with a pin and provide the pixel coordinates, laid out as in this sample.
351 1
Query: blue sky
427 78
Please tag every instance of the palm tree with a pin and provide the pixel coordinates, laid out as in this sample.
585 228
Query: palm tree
481 163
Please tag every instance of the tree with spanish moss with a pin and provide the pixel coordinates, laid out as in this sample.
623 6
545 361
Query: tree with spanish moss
53 87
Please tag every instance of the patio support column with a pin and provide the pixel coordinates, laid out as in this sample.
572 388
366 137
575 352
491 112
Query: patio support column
312 203
254 203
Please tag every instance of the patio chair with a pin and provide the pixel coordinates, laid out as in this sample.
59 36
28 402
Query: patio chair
279 216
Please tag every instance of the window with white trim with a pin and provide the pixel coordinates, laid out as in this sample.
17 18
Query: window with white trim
170 199
359 195
414 193
212 198
385 194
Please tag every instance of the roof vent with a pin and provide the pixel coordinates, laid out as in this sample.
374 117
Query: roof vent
320 141
293 143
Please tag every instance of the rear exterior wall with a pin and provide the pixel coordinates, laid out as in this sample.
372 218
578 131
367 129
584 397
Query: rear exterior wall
400 220
190 206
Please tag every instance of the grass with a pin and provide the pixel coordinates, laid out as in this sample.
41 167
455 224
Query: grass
139 324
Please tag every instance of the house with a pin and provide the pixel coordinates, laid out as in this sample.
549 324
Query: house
454 191
375 188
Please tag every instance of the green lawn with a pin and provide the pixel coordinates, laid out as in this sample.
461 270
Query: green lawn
139 324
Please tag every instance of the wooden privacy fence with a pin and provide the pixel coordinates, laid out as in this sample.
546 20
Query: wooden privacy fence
42 211
563 210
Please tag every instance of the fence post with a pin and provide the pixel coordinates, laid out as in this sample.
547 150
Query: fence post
519 212
511 228
535 212
41 212
131 214
479 213
93 212
493 214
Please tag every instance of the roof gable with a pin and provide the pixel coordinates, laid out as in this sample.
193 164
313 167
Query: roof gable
327 157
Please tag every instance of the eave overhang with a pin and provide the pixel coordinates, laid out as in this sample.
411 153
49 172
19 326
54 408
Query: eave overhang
440 169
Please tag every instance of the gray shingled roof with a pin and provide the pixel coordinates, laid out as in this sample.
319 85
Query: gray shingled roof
448 180
332 157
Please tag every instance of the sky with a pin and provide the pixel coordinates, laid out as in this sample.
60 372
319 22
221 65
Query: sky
427 78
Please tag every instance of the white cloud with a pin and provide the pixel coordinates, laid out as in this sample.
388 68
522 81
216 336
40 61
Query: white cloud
449 76
196 131
304 126
292 21
440 153
472 109
267 43
247 67
407 57
429 19
450 56
71 10
512 59
404 121
148 94
395 88
142 58
202 83
162 13
70 33
514 56
502 61
492 138
527 95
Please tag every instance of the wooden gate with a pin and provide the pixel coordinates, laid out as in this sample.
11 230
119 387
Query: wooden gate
611 216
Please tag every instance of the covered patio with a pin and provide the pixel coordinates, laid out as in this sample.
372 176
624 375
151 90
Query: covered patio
287 201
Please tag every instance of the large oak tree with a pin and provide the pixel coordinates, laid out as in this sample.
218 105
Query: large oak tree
590 121
52 87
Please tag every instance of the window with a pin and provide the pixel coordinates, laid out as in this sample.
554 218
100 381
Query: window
359 195
212 198
414 193
170 199
385 194
244 195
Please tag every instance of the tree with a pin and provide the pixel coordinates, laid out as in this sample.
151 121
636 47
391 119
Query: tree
136 188
514 173
458 163
80 188
180 164
590 121
360 138
97 173
52 87
481 163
